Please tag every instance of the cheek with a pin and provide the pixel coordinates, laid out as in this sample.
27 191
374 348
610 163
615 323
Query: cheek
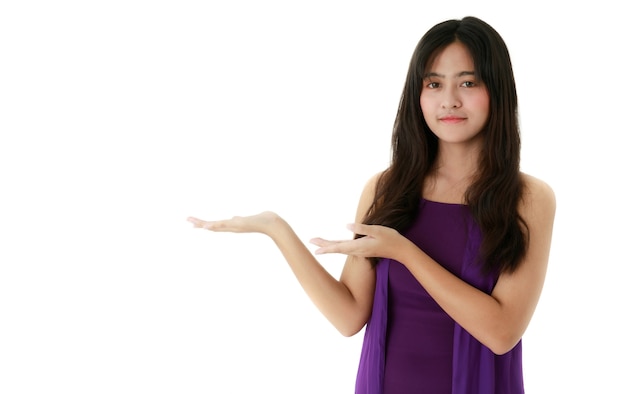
481 101
482 108
426 106
429 111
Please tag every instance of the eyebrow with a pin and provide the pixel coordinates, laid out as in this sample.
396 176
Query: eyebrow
461 74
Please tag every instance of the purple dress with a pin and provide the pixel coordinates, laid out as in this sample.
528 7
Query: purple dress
411 345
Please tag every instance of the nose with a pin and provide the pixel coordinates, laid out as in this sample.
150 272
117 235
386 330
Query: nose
450 99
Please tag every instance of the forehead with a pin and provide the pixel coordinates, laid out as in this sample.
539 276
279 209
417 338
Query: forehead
451 59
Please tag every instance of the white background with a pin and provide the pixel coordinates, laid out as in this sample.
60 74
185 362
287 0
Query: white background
119 119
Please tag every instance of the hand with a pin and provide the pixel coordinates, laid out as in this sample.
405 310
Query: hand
377 241
260 223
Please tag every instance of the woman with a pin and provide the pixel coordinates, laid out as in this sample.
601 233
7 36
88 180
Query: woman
451 241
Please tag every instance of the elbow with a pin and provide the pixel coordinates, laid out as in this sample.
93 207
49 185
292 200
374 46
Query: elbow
502 349
502 344
349 332
351 327
350 321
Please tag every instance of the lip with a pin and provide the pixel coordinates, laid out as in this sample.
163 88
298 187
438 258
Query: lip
451 119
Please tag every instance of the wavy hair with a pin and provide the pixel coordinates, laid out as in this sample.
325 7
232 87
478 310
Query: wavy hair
494 196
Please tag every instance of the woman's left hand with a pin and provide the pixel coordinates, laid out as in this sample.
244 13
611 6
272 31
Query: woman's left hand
377 241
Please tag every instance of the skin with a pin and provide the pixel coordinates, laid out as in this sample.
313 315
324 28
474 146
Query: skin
456 108
497 320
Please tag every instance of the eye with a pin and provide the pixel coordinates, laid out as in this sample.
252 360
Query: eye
432 85
468 84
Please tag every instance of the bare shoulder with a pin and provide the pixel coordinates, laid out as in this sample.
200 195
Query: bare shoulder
373 181
367 196
538 198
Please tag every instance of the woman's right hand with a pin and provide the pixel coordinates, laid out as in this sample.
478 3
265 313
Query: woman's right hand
261 223
347 302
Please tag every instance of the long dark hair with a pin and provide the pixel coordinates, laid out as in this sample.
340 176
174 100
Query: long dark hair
496 192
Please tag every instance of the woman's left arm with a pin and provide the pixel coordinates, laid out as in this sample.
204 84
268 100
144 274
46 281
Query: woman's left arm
497 320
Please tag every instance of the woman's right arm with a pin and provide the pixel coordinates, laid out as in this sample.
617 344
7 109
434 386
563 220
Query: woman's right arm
346 302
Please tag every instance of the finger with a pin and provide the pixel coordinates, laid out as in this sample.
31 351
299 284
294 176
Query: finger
342 247
319 241
361 229
325 250
325 246
325 242
195 221
333 249
198 223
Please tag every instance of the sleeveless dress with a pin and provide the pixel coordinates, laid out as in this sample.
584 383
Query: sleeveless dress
410 344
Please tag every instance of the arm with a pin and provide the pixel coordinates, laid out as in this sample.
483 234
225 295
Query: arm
497 320
347 302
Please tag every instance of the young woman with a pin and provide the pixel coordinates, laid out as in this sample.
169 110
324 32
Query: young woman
451 241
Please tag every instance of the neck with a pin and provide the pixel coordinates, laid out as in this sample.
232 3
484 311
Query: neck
456 162
452 173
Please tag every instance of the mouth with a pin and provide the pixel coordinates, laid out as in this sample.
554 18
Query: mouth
451 119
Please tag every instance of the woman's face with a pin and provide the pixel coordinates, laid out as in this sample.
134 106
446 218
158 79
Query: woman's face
454 102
